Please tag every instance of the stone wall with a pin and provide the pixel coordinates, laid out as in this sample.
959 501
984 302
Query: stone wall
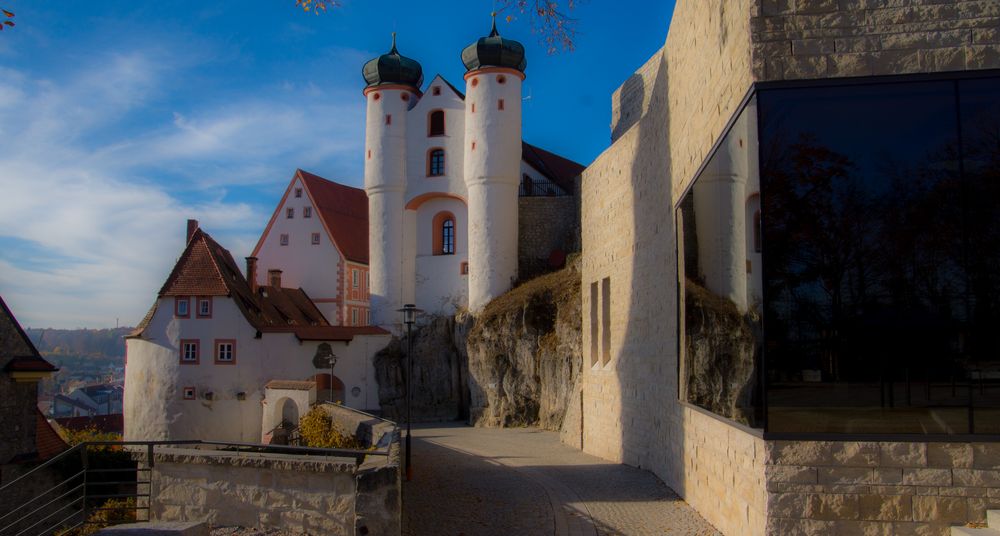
724 474
797 39
545 224
301 494
855 487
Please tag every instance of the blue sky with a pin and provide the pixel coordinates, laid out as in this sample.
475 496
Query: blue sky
120 120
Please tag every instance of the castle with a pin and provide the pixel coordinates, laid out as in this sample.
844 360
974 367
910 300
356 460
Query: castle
443 173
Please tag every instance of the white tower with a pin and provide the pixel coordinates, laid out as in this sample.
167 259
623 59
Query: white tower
495 70
393 88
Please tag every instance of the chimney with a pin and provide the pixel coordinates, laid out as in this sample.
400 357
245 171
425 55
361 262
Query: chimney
192 227
252 274
274 277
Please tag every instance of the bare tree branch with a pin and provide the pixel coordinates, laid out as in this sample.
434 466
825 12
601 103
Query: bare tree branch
549 18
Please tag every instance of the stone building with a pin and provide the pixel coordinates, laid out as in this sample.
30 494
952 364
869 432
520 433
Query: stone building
444 171
789 266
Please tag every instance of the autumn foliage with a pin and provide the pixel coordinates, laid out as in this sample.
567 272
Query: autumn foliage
318 430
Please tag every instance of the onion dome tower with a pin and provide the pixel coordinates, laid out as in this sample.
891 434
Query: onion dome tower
495 69
392 89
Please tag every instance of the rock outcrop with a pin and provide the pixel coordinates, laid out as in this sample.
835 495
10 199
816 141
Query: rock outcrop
524 354
720 348
517 363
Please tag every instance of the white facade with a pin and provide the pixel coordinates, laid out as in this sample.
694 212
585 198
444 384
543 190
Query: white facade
227 402
476 188
287 245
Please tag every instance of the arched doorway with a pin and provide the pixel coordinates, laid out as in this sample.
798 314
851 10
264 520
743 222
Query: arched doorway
323 391
289 413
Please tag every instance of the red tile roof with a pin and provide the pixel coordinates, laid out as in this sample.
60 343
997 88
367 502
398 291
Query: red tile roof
47 441
344 211
557 169
206 268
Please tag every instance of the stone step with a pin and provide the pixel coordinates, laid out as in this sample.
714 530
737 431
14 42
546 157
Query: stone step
966 531
993 518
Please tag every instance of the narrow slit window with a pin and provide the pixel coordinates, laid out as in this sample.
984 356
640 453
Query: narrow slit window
448 237
500 105
593 324
605 320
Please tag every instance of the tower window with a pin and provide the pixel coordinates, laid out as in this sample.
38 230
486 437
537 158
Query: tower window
405 97
436 123
475 82
500 104
444 233
473 107
435 163
436 90
376 96
501 79
388 119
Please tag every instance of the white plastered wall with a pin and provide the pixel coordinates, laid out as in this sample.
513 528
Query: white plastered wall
440 286
155 379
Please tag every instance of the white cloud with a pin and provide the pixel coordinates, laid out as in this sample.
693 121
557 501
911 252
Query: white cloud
101 192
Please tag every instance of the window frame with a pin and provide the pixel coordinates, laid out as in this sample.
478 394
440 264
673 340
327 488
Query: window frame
298 192
283 239
290 213
217 355
307 212
314 239
182 351
204 299
186 301
193 391
431 132
442 169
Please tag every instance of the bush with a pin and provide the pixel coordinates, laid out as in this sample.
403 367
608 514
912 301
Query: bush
318 430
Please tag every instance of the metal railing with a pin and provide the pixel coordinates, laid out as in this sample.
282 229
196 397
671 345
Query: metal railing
78 483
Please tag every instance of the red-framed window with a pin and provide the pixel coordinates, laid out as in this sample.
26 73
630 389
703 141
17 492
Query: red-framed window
225 351
189 393
204 307
190 351
182 307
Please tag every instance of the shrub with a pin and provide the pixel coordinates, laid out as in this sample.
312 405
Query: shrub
318 430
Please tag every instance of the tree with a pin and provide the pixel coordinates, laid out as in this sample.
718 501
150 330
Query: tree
549 18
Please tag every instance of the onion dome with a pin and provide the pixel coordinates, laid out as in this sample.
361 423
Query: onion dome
393 68
494 51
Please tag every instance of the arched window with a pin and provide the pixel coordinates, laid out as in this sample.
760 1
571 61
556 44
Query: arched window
435 163
436 123
444 233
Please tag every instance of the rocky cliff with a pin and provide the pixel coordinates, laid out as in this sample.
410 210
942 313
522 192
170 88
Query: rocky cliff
516 364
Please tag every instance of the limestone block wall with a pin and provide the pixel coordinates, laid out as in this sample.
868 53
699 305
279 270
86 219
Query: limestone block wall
797 39
856 487
724 474
545 224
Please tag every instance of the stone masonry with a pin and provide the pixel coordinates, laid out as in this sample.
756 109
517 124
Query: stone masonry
545 224
665 120
858 487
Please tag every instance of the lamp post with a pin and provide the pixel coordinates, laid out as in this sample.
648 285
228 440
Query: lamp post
409 316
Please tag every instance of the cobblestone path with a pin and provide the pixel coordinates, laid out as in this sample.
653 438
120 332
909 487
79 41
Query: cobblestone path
524 482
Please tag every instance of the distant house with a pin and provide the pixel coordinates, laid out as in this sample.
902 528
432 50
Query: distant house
65 406
318 239
198 364
25 435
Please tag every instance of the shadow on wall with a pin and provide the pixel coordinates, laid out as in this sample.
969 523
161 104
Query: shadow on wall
646 363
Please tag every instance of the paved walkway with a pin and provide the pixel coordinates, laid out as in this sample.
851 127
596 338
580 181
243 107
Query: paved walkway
523 481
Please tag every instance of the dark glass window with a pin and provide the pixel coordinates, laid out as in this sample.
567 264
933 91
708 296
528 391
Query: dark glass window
436 127
448 237
435 165
875 302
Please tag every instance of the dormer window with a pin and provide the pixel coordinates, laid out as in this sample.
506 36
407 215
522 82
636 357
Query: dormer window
436 123
181 307
435 163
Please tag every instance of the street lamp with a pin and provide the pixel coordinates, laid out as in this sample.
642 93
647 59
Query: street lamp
409 316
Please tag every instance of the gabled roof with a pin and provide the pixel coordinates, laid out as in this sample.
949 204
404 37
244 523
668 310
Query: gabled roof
204 269
47 441
208 269
342 209
17 353
557 169
449 84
